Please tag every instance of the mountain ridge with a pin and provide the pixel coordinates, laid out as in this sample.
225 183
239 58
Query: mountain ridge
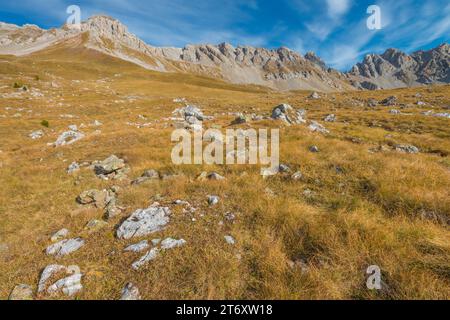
281 69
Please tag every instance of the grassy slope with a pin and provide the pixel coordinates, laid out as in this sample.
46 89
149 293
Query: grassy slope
376 212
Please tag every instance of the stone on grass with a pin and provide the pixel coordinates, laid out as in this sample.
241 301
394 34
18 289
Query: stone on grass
170 243
65 247
143 222
314 149
149 256
213 200
111 168
70 285
130 293
35 135
73 167
146 176
230 240
60 235
314 96
330 118
297 176
390 101
317 127
283 168
288 115
69 282
21 292
240 119
406 148
95 225
138 247
68 137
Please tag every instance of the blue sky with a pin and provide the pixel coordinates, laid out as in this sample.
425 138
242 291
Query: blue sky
334 29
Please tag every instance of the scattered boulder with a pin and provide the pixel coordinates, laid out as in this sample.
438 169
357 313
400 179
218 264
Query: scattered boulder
372 103
314 149
395 111
390 101
21 292
68 285
68 137
317 127
111 168
170 243
230 240
407 148
64 247
138 247
104 199
146 176
149 256
240 119
73 167
213 200
95 197
35 135
283 168
297 176
143 222
130 293
287 114
60 235
210 176
95 225
268 172
330 118
314 96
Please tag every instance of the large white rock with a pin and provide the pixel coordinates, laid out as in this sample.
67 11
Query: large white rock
65 247
143 222
69 284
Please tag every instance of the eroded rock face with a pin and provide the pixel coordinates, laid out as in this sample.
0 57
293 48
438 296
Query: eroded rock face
143 222
396 69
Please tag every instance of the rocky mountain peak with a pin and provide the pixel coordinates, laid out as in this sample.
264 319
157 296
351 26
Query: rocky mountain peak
311 56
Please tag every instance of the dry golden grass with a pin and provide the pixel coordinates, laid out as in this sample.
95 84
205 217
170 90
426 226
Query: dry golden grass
384 208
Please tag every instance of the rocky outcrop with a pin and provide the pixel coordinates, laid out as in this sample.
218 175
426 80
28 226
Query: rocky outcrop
396 69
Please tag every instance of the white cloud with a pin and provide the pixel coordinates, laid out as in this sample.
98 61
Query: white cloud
338 8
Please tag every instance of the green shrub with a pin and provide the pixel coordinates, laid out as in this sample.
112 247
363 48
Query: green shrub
45 123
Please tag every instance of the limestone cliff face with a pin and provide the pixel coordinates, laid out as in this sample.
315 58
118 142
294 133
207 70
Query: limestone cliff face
396 69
